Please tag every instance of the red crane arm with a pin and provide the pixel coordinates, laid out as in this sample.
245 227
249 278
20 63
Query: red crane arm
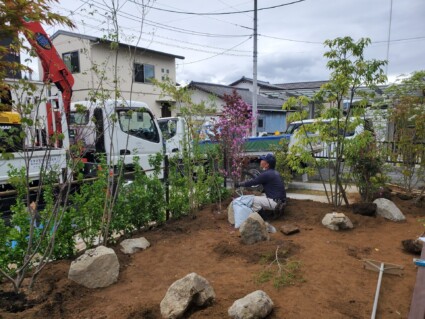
54 69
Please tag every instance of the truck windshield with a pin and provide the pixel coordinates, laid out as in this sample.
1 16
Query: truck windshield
139 123
295 126
79 118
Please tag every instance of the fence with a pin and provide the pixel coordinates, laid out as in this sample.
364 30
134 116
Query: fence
393 152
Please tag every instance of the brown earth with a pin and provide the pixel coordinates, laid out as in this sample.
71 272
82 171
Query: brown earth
331 281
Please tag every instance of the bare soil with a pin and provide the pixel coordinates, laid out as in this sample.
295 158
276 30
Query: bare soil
331 282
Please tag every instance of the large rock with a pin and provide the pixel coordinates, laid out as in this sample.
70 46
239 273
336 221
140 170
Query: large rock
388 210
256 305
231 214
337 221
365 209
130 246
190 290
253 230
413 246
98 267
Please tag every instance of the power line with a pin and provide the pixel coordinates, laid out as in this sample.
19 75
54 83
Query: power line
169 28
222 13
161 37
290 40
400 40
97 27
205 34
222 53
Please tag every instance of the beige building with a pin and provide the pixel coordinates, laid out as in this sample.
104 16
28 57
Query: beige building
95 65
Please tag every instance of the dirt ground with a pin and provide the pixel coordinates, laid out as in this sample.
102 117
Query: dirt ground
331 282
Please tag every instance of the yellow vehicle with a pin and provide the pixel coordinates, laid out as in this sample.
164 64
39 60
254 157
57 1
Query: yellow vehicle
10 125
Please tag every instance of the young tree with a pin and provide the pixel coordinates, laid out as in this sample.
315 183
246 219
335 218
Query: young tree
26 239
232 129
192 160
408 114
352 78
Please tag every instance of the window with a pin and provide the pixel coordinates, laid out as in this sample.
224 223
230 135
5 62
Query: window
79 118
72 61
143 73
168 128
139 123
260 122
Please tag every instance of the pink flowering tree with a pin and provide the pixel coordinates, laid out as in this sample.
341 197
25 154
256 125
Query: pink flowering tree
231 130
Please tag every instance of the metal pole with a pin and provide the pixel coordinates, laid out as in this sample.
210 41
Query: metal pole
254 81
389 38
167 185
378 287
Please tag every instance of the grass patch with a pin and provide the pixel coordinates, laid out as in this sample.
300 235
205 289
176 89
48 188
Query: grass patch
280 270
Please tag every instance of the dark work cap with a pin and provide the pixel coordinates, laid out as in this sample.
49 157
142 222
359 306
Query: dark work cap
269 158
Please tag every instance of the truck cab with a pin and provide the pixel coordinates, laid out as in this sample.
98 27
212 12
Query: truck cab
174 132
120 130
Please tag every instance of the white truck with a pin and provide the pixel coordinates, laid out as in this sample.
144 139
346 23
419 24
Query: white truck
118 130
36 153
174 132
297 129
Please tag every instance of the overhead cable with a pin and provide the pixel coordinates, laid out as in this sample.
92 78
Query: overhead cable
221 13
130 16
221 53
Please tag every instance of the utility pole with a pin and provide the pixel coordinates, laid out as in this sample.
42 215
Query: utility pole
254 80
389 39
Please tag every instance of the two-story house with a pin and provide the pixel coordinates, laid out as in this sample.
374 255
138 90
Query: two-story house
101 67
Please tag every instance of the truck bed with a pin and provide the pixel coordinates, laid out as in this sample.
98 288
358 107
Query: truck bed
53 159
254 145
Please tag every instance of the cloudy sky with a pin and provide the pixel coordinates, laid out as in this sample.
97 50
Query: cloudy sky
215 37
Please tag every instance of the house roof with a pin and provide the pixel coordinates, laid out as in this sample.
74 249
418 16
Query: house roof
261 84
263 102
97 39
301 85
301 88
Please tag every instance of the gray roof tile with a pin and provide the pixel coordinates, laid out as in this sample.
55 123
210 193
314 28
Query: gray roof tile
219 90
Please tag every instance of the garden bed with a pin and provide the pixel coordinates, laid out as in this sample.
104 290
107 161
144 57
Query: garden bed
329 282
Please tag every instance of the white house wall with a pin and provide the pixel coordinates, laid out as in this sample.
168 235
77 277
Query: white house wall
200 96
82 79
99 55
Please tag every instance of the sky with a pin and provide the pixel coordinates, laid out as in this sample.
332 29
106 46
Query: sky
216 37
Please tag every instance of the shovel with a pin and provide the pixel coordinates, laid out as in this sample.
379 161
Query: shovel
381 267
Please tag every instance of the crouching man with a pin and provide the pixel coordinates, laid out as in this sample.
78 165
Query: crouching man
273 185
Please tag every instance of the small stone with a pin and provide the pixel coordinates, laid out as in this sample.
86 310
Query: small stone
289 229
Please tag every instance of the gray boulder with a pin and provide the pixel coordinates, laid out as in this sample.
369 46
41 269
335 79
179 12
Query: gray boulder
388 210
190 290
130 246
337 221
256 305
253 230
98 267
